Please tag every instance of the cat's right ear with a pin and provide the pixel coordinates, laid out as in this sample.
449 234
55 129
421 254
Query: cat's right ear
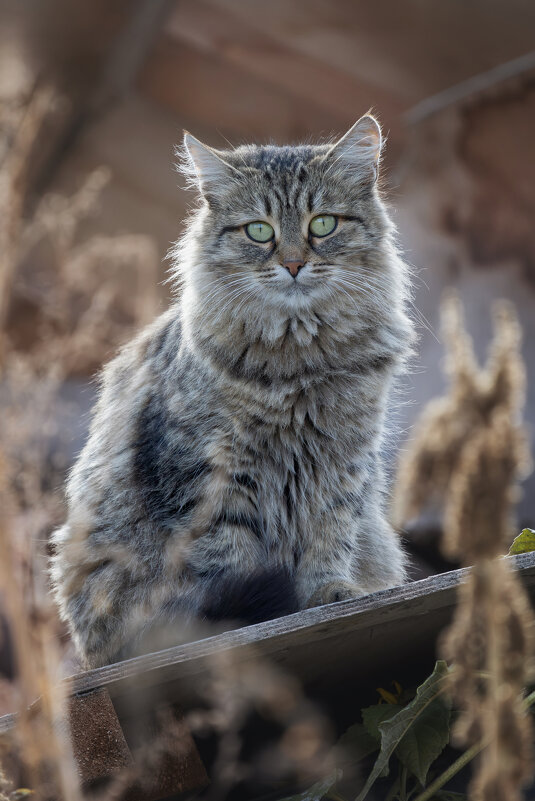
359 150
204 166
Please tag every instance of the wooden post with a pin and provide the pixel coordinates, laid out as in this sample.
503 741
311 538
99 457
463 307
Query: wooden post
161 760
98 743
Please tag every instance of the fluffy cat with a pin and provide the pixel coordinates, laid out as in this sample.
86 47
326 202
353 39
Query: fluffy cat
236 445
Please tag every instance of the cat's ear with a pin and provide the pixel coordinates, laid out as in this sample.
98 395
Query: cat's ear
205 166
359 149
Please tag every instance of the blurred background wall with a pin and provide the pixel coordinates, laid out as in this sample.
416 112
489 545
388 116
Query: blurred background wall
453 84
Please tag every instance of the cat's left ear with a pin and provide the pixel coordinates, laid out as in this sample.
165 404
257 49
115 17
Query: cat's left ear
205 166
359 149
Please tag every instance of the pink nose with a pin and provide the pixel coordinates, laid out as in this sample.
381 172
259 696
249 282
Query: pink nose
293 266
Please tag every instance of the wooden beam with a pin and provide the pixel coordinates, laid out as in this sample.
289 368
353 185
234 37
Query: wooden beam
218 32
98 743
322 643
475 87
412 49
90 53
204 89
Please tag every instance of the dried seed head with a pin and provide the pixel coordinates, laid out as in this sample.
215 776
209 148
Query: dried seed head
449 439
477 518
471 448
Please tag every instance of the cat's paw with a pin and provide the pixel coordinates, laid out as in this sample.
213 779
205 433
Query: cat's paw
333 592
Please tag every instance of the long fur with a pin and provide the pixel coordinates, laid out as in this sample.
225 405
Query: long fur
241 432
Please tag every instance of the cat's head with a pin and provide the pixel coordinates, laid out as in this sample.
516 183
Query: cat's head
288 228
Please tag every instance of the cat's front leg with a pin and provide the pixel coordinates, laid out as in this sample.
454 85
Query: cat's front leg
327 570
227 530
334 591
350 558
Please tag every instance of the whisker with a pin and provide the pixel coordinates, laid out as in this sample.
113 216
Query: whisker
354 285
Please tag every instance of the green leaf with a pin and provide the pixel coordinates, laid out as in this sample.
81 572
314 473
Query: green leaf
429 732
356 744
444 795
373 716
318 790
418 733
524 543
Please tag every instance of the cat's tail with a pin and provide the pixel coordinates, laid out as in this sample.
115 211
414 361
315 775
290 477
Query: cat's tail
230 601
250 599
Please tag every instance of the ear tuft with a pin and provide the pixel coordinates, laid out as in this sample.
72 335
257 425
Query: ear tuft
203 166
360 147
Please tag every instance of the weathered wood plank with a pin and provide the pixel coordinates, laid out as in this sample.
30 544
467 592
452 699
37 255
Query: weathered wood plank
357 620
329 640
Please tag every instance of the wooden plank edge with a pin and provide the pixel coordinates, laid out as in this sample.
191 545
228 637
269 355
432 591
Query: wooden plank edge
359 608
388 603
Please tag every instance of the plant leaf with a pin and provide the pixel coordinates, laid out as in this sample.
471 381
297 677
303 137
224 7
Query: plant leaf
429 733
373 716
524 543
355 744
418 733
318 790
444 795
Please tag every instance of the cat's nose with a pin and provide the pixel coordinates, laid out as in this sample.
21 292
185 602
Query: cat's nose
293 266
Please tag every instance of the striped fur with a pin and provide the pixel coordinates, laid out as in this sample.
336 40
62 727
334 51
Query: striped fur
242 431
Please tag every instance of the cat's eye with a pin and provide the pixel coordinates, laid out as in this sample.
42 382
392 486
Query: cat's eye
323 225
260 231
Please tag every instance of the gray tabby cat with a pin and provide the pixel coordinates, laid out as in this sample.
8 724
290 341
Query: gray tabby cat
236 444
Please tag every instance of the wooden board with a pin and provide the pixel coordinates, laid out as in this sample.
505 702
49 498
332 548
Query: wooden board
353 643
216 70
325 644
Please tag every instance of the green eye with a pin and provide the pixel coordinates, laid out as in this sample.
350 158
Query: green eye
259 231
322 225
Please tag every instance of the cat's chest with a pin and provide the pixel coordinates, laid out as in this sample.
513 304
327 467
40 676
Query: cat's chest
298 455
306 408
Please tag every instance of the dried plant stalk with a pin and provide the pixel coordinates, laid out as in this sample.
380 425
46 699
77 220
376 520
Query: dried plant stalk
13 176
75 311
473 446
84 313
490 643
40 733
483 490
447 431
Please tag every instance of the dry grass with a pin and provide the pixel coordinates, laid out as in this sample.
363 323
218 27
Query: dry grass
40 738
76 290
68 301
468 453
439 454
21 121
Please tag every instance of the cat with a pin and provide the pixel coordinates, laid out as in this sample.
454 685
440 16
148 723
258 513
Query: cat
233 467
